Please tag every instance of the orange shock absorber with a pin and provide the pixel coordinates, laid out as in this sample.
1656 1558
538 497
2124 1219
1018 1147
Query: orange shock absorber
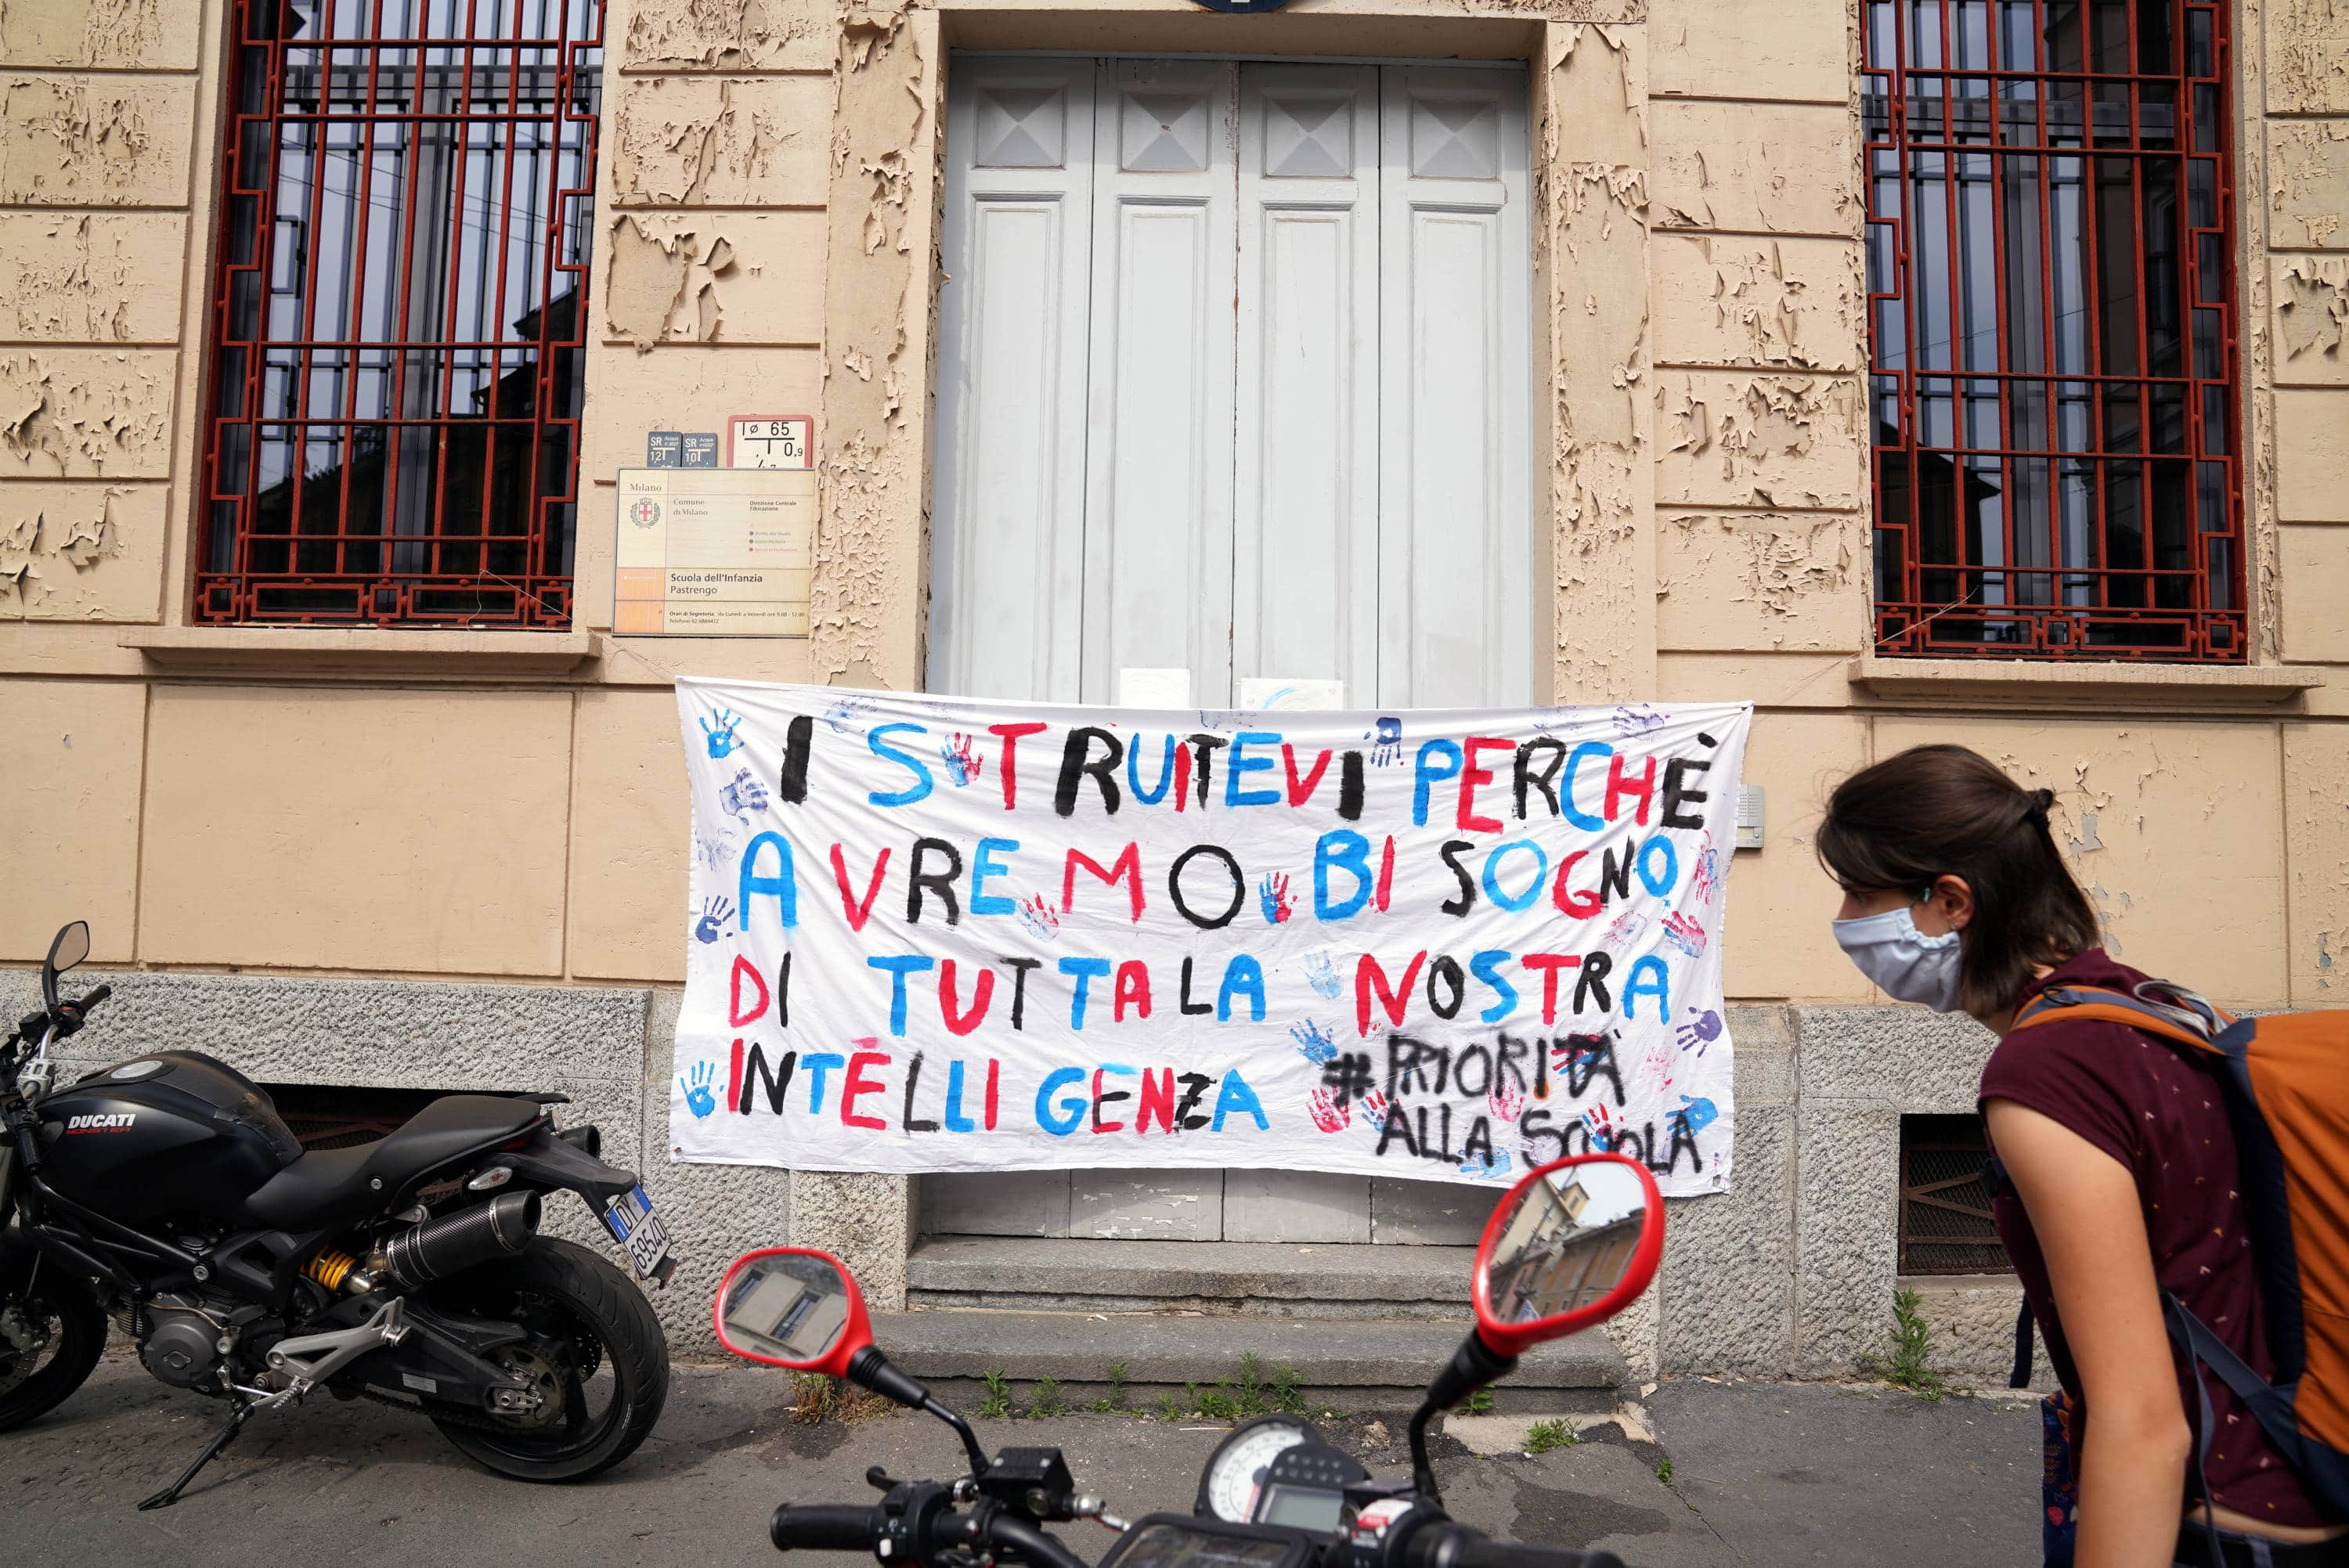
330 1267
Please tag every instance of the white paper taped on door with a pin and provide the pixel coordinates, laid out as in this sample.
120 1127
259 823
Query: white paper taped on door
933 933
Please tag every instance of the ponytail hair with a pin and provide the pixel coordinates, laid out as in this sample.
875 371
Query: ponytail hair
1944 810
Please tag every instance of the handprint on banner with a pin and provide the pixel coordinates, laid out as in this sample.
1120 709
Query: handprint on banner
1386 742
1272 897
1374 1111
843 714
715 912
1705 881
1637 718
700 1097
1625 929
1684 934
1700 1034
1322 975
1694 1116
1507 1102
1311 1044
1657 1065
1039 916
1492 1163
1600 1124
745 795
710 850
962 762
1329 1113
720 742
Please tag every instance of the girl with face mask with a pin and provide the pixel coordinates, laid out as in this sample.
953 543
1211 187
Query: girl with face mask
2120 1168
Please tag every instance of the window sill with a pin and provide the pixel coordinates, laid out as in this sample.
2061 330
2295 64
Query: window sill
371 653
2027 683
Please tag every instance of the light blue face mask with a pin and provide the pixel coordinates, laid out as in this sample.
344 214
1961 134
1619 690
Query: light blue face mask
1905 965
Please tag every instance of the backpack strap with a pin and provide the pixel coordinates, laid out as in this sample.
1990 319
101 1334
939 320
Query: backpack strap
2188 1026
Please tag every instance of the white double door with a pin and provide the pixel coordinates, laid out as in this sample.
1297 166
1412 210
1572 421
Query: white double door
1233 379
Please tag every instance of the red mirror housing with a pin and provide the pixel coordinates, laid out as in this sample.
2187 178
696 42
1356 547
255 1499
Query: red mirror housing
777 1298
1571 1244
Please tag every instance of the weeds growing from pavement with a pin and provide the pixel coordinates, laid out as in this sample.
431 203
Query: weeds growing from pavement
1542 1437
997 1404
1907 1360
1113 1402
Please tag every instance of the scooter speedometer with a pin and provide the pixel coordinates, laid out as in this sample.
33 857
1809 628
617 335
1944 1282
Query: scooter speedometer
1236 1470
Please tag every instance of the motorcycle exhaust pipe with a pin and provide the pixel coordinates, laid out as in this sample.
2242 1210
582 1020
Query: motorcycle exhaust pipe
455 1243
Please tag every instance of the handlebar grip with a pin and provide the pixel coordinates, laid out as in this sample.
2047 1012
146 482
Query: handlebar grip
1032 1544
824 1529
94 998
1457 1546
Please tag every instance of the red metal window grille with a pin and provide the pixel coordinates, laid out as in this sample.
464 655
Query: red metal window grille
398 320
2050 263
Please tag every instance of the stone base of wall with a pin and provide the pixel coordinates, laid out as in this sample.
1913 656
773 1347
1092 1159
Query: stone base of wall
1791 1273
1972 1320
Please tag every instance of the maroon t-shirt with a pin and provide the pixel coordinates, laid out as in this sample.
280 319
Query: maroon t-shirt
2161 1113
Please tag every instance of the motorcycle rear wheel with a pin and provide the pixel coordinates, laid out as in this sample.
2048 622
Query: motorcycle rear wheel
595 1348
75 1328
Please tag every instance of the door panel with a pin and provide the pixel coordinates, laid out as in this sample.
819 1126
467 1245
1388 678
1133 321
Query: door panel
1455 599
1158 585
1233 376
1007 562
1305 507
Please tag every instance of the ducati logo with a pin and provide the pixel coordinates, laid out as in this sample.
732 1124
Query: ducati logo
114 1123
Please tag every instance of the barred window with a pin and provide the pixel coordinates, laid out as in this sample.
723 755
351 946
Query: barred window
2050 265
398 320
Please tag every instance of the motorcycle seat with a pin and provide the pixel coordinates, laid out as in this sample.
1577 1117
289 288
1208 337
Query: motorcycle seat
331 1186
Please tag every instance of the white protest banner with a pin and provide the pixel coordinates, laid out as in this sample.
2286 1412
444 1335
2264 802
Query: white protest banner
934 934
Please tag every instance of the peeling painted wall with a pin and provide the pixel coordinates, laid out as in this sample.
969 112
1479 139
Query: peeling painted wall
77 412
1591 269
2308 184
721 141
729 35
871 580
110 35
80 552
96 140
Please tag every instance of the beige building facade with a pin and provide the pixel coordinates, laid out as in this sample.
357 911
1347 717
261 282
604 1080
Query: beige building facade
448 857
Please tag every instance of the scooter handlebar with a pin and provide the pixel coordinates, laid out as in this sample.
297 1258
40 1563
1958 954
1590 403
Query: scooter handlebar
1448 1545
824 1529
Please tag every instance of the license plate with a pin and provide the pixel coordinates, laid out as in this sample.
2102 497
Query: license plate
640 1233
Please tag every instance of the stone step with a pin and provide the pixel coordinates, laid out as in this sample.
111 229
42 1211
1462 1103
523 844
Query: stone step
1354 1365
1251 1279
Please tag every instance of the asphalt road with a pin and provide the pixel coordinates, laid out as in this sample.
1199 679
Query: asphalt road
1765 1474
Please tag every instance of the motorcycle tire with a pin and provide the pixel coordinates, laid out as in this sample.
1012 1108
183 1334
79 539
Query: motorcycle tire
586 1318
77 1326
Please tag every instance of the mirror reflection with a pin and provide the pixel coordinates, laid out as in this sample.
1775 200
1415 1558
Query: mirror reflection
1569 1241
786 1307
71 946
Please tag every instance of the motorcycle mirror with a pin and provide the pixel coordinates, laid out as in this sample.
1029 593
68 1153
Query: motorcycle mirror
71 946
793 1306
800 1308
1570 1245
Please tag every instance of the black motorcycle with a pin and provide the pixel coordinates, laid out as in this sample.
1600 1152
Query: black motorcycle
167 1193
1571 1244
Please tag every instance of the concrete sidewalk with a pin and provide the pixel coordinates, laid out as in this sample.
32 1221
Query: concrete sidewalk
1761 1474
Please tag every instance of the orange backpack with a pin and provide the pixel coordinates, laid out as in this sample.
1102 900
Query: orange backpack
2287 1078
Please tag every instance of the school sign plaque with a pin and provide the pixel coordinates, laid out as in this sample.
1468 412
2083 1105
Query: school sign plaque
713 551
